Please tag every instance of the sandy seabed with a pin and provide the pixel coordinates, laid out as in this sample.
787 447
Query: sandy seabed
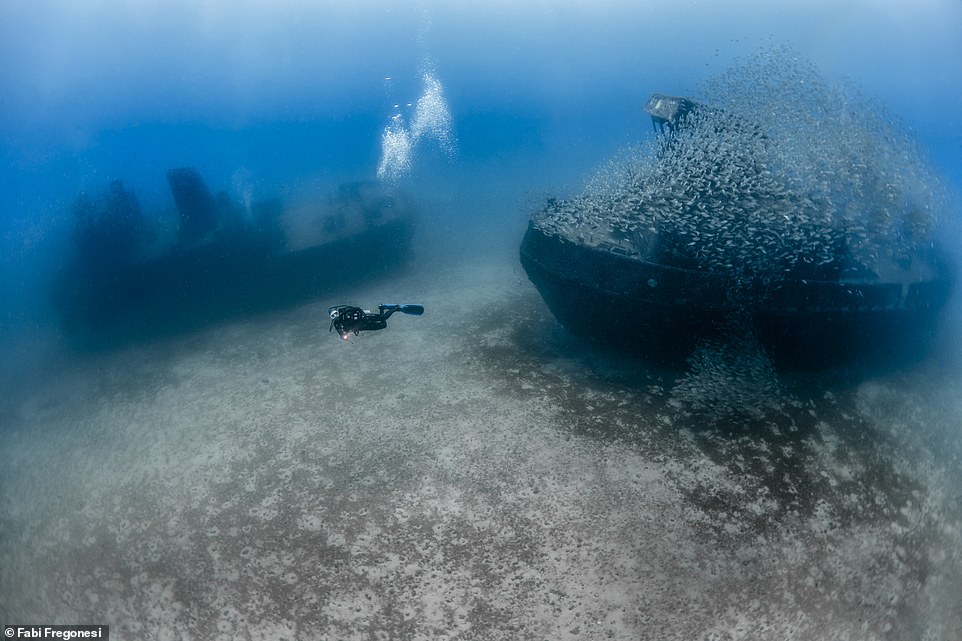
475 473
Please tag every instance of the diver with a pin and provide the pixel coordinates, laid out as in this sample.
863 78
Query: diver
347 318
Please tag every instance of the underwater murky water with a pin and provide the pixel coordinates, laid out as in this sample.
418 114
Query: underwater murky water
477 472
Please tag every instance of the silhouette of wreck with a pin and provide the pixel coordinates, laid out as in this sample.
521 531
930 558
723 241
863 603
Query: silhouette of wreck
127 277
644 289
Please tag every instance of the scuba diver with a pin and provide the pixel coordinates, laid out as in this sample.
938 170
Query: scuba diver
347 318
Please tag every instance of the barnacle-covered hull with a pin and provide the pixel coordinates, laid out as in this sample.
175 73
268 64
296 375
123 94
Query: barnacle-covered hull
663 312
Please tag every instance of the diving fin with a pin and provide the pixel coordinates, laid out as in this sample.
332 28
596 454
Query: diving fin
411 310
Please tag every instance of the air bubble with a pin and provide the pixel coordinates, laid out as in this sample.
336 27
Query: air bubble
432 123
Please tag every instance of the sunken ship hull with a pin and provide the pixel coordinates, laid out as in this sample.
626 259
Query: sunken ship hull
723 234
124 283
664 313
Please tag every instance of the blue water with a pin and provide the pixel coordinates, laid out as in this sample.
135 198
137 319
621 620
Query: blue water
271 101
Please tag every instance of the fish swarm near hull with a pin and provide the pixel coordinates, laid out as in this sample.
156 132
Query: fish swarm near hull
783 175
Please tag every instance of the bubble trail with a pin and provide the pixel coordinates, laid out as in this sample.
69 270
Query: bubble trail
432 117
432 122
396 152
